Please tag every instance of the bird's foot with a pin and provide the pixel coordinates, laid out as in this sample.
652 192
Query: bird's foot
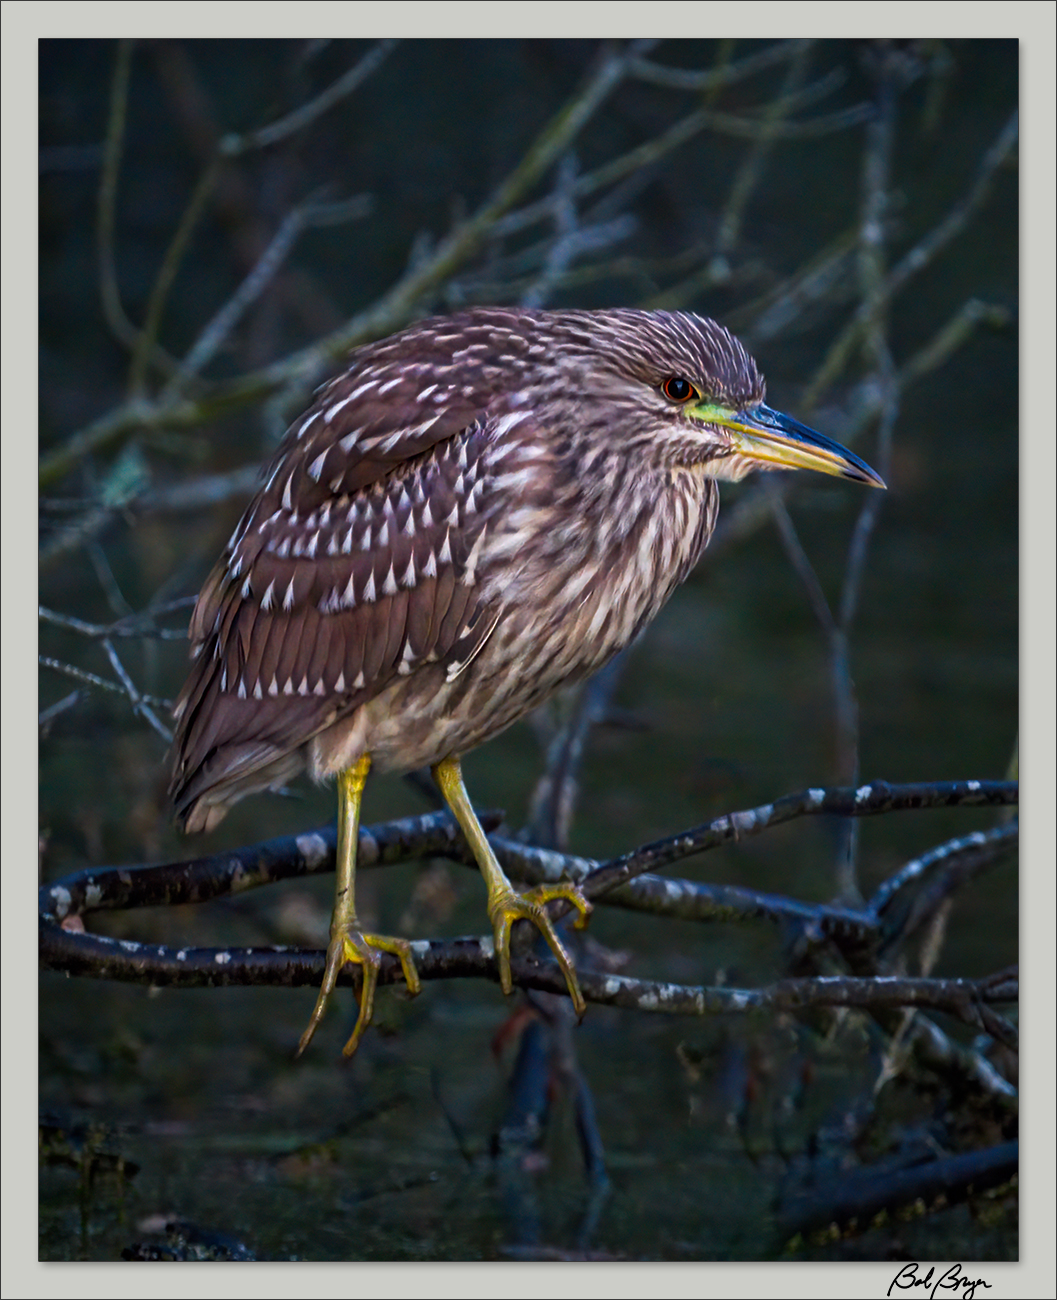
506 907
352 946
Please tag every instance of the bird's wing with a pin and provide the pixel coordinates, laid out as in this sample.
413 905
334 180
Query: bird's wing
323 597
362 425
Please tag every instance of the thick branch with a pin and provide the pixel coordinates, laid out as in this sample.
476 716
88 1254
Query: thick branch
865 1198
78 953
235 870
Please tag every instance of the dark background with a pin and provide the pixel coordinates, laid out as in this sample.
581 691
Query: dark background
725 704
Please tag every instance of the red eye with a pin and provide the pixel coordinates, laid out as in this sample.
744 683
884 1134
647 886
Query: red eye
679 390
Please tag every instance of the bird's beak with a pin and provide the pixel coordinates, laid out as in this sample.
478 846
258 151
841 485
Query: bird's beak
770 439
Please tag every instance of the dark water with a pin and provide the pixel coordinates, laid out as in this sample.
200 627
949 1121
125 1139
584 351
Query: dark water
724 705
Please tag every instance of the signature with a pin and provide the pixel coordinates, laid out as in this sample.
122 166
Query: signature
950 1280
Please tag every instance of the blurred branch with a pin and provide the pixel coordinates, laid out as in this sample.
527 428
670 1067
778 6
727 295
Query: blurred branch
816 282
171 263
643 157
877 169
750 172
396 306
133 625
571 239
106 208
47 716
945 864
219 329
964 1069
393 309
554 798
805 570
951 336
229 147
920 256
232 146
710 79
852 1200
757 503
201 493
109 293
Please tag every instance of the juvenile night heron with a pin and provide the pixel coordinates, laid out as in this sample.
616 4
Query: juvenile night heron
479 510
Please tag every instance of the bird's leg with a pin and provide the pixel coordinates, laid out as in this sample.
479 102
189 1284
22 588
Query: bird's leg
505 905
348 943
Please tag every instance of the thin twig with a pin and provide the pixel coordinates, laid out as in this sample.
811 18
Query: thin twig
873 799
805 570
48 715
139 626
952 335
139 704
91 679
233 145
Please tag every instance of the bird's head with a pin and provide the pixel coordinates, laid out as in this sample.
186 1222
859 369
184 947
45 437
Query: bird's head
684 390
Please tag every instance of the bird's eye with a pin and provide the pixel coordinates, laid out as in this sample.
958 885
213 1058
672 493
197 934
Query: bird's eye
679 390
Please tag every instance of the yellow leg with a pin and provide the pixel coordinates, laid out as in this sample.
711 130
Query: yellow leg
348 943
505 906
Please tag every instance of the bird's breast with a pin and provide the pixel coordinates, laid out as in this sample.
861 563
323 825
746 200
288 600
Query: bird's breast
567 597
581 589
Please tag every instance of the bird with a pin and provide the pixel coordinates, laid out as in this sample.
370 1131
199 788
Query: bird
475 512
